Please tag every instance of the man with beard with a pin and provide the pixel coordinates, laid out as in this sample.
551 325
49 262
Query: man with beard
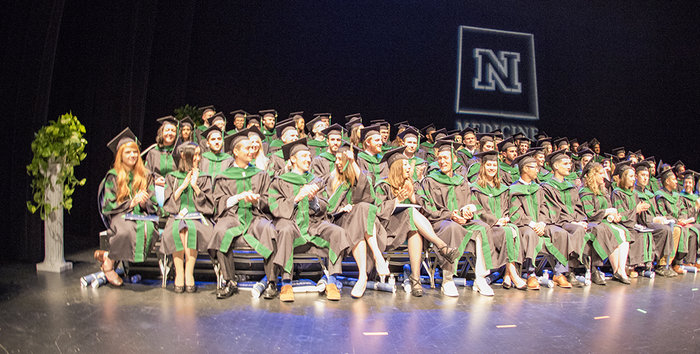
323 163
300 219
369 159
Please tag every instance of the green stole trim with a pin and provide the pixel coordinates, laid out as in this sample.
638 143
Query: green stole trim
673 198
215 161
243 178
563 188
318 145
302 219
451 182
529 191
373 163
166 163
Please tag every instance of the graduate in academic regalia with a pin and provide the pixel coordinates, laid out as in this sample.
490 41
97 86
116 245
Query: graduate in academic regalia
159 159
566 211
528 211
239 121
128 191
186 130
685 233
509 151
286 133
189 201
486 143
214 160
350 197
354 127
242 216
253 121
648 246
663 247
492 202
300 124
369 159
258 148
448 208
469 146
217 120
385 132
301 220
611 239
410 138
268 120
207 112
405 223
317 139
324 162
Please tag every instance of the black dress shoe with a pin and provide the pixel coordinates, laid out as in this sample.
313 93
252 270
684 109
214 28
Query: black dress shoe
191 288
621 279
228 290
179 289
270 290
571 277
596 278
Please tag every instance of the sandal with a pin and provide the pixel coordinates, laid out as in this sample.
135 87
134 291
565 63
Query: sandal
450 253
416 287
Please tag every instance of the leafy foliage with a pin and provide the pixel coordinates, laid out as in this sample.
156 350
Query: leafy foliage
62 142
193 112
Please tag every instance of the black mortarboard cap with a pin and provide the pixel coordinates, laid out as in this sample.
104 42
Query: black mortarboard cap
206 108
616 150
265 112
349 117
409 131
368 131
621 167
491 155
125 136
311 123
187 121
232 140
524 159
211 129
284 126
239 112
167 119
560 141
217 116
484 137
333 129
427 128
557 155
353 122
445 145
292 148
394 155
254 118
505 144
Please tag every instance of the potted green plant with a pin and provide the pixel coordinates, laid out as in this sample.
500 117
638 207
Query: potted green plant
57 147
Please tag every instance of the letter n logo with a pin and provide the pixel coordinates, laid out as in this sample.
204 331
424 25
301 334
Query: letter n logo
497 70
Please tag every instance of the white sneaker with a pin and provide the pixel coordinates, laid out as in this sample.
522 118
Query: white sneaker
449 289
482 287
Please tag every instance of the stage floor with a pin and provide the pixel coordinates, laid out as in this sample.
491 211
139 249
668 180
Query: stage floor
53 313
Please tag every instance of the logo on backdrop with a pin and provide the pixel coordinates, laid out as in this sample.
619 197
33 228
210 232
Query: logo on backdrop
496 74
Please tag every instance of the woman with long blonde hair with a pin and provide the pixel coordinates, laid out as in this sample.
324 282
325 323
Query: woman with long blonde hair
612 240
128 193
351 204
406 223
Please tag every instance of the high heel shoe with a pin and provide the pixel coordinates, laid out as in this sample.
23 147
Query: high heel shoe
359 289
621 279
449 253
416 287
382 269
480 285
506 282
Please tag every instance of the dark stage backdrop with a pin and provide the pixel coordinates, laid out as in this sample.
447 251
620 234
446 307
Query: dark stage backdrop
624 72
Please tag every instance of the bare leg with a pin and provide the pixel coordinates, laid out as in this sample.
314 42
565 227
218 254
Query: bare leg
426 230
360 254
379 261
415 249
179 262
189 266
